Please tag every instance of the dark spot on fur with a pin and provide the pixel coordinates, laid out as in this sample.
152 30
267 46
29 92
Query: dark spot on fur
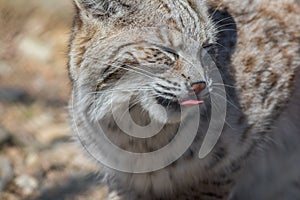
250 63
189 154
242 119
174 164
211 194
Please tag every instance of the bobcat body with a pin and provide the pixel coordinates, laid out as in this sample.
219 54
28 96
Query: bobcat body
257 53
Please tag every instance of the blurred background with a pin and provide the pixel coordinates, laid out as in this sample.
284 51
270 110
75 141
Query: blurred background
38 159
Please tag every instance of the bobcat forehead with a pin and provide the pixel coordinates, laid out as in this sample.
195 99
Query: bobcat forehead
93 27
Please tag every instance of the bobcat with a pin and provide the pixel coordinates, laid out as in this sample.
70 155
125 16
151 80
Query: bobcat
131 52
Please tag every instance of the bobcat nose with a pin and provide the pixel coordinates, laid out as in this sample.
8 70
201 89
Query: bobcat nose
198 87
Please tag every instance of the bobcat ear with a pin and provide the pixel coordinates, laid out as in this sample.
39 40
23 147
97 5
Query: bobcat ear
100 8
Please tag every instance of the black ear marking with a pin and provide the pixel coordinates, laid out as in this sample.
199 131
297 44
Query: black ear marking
100 8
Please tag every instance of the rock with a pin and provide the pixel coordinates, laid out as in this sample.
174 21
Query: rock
14 95
35 48
5 69
52 133
4 136
6 173
26 183
32 160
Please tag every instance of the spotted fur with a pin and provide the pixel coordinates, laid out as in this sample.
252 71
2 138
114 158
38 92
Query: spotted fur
257 53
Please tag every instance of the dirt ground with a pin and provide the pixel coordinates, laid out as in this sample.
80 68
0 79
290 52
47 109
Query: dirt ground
38 159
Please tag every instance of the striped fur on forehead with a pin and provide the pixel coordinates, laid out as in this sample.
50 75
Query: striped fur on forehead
189 21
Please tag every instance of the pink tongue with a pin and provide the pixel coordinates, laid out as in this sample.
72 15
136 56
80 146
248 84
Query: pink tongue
191 103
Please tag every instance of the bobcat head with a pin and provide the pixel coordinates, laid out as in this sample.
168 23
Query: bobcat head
120 52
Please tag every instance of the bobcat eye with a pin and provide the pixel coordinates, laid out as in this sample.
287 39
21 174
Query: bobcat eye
170 52
207 46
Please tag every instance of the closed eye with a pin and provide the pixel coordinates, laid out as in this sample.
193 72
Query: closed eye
207 46
170 51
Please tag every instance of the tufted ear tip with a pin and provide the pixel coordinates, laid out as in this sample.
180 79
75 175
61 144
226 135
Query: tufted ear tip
79 4
99 8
